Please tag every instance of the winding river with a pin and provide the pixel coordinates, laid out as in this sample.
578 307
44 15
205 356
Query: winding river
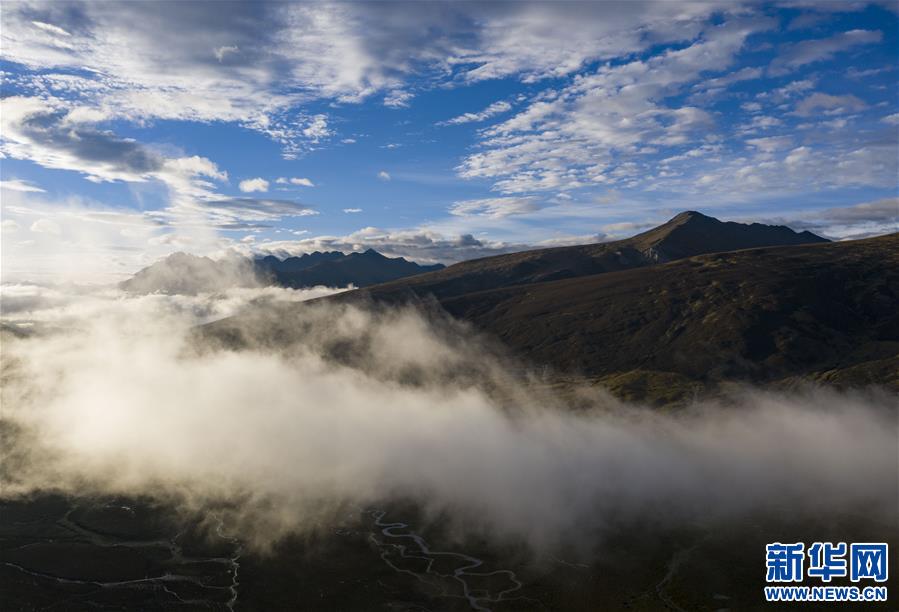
401 540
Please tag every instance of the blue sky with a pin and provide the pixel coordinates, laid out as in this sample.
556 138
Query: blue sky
434 131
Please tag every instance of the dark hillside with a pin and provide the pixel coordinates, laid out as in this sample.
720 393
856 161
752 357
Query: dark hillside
831 310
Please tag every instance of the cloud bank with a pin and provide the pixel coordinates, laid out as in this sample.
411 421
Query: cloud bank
335 406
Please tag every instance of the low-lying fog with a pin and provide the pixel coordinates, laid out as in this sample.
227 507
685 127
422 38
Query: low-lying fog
104 393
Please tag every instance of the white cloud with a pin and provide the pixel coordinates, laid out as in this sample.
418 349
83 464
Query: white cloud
18 185
303 182
495 208
836 124
744 74
46 226
810 51
352 210
49 27
891 119
759 123
258 65
41 130
236 211
103 243
9 225
421 245
855 73
856 221
771 144
255 184
583 134
828 104
384 175
542 40
625 228
223 51
224 64
788 91
494 109
777 170
317 128
398 99
100 243
261 65
885 210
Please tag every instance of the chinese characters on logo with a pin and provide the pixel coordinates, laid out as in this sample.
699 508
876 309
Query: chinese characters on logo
826 560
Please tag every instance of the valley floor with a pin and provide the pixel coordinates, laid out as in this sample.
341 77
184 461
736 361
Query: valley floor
119 554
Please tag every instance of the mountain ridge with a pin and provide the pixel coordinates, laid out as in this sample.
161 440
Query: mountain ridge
787 316
810 310
188 274
687 234
825 311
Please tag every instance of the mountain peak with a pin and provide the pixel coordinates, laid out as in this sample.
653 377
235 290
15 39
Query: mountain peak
691 216
693 233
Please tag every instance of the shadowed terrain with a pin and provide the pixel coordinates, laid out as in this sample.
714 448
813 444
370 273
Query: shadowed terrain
825 312
127 554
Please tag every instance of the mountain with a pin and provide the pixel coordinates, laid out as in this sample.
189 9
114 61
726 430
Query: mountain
283 268
689 233
335 269
826 312
807 309
182 273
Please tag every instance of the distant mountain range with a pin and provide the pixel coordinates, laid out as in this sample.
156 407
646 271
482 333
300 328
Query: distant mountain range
334 269
188 274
